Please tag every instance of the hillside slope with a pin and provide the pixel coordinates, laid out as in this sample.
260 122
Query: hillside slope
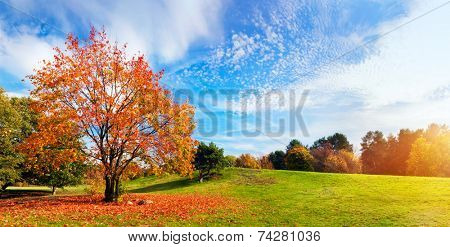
288 198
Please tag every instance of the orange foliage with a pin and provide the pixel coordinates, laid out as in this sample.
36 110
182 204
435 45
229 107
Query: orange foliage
90 210
116 103
247 161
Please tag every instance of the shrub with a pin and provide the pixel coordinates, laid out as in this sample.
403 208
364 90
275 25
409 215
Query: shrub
298 158
265 163
208 158
247 161
230 161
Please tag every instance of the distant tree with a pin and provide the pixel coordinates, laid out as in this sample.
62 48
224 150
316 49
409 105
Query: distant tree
17 122
277 159
298 158
54 159
208 158
230 161
292 144
335 163
337 141
247 161
321 152
430 154
265 163
373 152
398 150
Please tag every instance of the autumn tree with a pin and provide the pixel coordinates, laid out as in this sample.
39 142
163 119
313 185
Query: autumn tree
298 158
53 154
116 104
247 161
430 155
265 163
292 144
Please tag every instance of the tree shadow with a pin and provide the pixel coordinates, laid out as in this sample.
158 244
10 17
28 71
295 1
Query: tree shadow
165 186
9 194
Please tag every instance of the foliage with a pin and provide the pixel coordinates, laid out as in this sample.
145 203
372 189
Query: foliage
230 161
53 154
293 143
91 211
373 152
265 163
277 159
16 123
337 142
208 158
430 155
116 103
298 158
247 161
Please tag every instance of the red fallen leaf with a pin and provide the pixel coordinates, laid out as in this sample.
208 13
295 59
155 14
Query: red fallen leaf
85 210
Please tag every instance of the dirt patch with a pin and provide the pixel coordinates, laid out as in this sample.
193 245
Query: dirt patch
253 177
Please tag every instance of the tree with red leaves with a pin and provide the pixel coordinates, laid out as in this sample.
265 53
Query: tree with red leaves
118 106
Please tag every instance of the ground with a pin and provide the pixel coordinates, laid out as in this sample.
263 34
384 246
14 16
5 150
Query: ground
244 197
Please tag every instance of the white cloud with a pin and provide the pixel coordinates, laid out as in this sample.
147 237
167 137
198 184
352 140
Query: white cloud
21 52
164 30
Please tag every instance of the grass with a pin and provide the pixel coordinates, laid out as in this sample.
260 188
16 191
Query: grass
288 198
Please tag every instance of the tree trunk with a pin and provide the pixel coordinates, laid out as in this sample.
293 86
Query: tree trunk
112 189
53 190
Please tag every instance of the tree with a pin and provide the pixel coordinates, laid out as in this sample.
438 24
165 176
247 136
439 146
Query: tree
298 158
337 141
277 159
117 105
293 143
373 152
321 152
430 154
53 153
16 123
247 161
398 150
265 163
208 158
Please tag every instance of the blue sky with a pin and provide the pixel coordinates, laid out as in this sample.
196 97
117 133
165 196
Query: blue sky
262 50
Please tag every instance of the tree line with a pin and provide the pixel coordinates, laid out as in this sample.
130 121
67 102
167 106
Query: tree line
409 153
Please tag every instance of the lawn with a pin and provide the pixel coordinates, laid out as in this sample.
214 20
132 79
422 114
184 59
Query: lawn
243 197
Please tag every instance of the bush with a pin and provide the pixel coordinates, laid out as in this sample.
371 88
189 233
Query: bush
208 158
265 163
230 161
299 159
247 161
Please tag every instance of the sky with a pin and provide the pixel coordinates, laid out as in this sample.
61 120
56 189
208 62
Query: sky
262 72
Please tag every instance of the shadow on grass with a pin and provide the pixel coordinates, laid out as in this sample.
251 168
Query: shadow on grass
9 194
165 186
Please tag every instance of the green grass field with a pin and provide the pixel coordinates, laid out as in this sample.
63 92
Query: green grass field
289 198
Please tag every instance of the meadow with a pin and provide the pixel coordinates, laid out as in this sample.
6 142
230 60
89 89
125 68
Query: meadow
241 197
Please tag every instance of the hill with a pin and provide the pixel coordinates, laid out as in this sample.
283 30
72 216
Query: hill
289 198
